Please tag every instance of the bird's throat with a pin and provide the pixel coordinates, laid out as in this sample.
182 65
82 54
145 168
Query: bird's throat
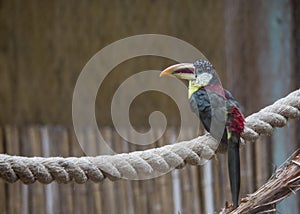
192 88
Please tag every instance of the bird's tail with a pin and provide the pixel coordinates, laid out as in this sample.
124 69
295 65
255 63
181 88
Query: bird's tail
234 166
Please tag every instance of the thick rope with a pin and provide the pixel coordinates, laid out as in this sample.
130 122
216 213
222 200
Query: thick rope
142 164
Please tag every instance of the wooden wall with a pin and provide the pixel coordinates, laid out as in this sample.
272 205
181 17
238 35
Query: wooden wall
254 46
262 44
44 47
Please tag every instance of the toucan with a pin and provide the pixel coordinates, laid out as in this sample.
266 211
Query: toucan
218 111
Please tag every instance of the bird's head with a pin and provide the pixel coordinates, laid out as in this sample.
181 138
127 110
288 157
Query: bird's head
199 74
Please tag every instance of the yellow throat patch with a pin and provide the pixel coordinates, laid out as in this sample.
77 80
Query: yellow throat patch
193 88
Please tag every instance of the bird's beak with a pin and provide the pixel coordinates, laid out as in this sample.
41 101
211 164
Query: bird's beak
182 71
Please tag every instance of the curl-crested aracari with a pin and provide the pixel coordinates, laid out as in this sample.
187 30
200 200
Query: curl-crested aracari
218 111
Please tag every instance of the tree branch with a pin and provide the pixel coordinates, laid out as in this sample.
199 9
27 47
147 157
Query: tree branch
284 182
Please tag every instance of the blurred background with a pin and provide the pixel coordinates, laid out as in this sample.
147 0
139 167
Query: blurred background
254 46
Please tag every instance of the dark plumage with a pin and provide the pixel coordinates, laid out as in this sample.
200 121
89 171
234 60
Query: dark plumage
200 103
218 111
220 115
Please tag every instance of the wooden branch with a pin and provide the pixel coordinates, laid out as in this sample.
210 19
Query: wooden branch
284 182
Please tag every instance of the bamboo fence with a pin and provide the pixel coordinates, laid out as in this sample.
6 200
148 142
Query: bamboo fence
193 189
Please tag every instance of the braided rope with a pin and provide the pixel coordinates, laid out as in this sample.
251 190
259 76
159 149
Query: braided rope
143 164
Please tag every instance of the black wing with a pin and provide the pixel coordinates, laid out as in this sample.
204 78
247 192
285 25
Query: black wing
207 105
231 99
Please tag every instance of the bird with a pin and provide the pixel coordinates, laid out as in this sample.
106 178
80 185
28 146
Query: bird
218 111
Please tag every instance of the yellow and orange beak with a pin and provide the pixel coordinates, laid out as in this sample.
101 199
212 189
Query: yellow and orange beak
182 71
